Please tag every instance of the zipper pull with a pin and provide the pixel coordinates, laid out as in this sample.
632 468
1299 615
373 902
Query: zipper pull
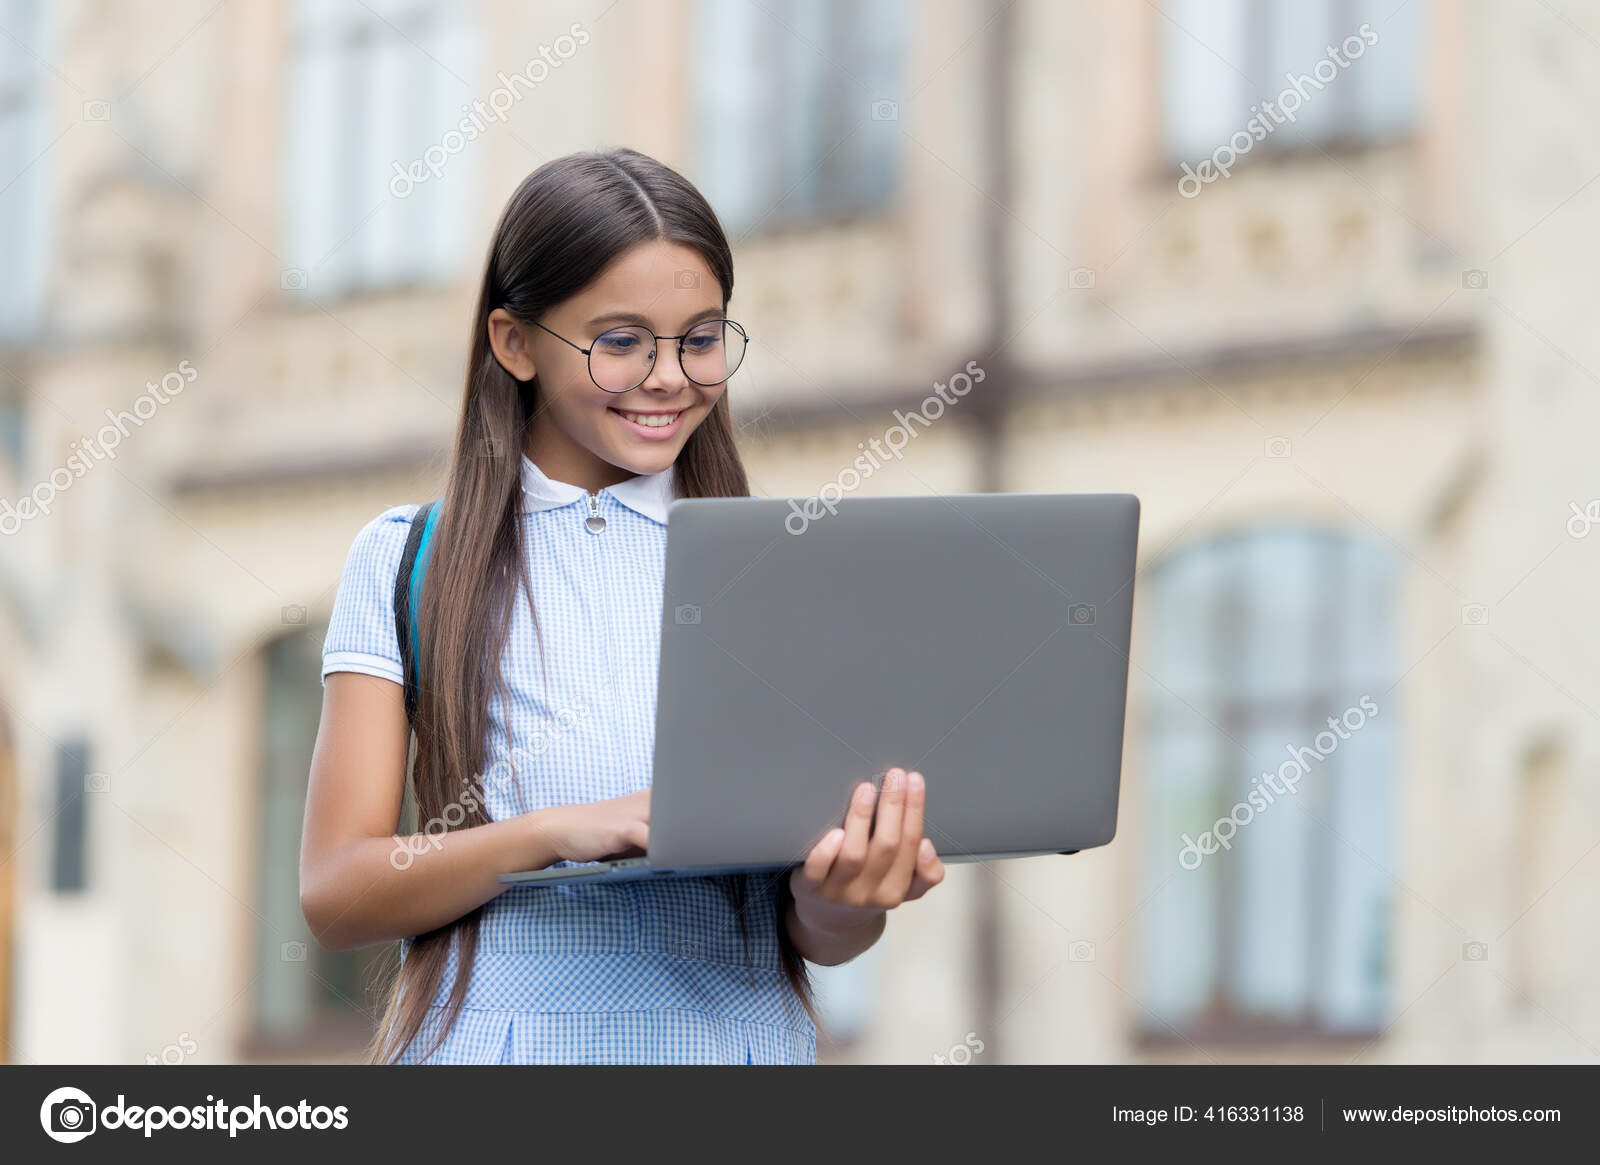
594 522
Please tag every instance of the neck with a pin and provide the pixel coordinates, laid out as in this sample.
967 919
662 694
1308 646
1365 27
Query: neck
564 461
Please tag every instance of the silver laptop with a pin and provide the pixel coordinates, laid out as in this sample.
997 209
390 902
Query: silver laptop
981 639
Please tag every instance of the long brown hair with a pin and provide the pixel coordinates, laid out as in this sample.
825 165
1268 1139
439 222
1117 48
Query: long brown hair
565 222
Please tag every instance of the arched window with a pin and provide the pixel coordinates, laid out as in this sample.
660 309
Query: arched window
1276 923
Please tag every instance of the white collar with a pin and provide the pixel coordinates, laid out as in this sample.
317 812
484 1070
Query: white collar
648 493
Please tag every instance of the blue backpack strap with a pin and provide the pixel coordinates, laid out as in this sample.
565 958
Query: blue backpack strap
408 595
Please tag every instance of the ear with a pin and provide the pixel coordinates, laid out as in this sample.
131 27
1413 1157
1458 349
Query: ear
509 340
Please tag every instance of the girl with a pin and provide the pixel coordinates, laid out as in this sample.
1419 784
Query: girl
594 396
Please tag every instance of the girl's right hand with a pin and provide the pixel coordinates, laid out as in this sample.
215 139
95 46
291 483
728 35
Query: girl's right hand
599 831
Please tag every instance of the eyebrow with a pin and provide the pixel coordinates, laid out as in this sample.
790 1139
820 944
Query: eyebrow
618 318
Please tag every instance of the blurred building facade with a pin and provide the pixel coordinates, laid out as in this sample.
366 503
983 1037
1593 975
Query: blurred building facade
1349 379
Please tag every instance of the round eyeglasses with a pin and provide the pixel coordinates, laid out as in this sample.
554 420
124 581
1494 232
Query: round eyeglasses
622 359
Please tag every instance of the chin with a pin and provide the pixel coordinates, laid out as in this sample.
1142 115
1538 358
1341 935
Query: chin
645 461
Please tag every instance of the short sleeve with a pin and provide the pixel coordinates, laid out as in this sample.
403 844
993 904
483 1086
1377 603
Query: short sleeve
361 629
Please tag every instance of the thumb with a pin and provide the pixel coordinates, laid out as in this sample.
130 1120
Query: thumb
820 860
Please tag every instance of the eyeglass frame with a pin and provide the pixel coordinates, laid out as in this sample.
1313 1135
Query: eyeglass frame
588 360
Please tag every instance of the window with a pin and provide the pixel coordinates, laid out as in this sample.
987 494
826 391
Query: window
1281 928
796 107
1546 833
372 87
23 145
304 994
68 871
1223 57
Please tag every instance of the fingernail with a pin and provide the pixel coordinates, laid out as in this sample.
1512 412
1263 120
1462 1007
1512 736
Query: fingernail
892 778
915 782
864 793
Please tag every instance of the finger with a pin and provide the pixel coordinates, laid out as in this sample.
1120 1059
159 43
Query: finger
930 871
905 858
886 827
857 826
820 860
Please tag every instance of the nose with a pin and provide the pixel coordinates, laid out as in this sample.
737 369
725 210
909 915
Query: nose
666 371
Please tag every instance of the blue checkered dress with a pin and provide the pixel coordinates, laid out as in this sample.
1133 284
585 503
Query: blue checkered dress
635 972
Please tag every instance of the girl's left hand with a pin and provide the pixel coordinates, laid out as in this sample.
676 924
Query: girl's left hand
855 874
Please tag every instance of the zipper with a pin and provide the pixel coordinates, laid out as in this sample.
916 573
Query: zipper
594 523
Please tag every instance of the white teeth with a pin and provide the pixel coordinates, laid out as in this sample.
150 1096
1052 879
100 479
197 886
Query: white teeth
651 420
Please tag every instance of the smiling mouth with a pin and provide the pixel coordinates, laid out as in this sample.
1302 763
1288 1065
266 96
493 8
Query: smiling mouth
650 420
